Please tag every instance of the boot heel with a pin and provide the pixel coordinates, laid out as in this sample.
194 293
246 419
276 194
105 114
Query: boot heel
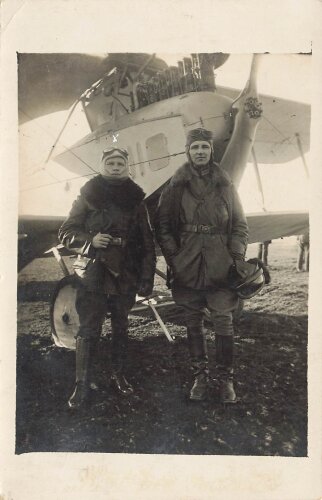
80 396
199 390
227 392
119 383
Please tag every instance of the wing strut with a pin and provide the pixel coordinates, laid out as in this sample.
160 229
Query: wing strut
299 145
147 62
62 130
258 178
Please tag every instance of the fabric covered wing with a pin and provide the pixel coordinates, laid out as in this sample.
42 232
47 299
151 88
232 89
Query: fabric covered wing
275 140
269 225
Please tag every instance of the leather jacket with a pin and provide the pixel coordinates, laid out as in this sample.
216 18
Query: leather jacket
196 258
118 210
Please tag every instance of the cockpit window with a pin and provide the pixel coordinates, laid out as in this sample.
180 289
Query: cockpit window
157 151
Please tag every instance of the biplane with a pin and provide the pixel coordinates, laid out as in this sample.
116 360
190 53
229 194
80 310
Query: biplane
141 103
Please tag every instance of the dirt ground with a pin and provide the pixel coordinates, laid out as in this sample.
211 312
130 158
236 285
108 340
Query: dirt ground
271 370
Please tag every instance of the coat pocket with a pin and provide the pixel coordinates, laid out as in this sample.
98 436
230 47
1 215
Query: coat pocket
219 261
185 266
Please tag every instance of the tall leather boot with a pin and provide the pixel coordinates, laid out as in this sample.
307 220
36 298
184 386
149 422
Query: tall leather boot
199 363
225 357
119 355
83 360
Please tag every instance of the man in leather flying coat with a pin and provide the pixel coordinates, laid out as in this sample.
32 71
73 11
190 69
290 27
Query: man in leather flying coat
108 227
201 228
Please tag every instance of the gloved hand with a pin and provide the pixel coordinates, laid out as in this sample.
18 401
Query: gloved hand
237 256
145 289
238 271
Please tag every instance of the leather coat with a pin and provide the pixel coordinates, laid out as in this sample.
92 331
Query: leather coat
200 260
118 210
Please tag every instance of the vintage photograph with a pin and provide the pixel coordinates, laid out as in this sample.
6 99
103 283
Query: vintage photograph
163 253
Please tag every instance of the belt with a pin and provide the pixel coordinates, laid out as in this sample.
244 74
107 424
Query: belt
201 228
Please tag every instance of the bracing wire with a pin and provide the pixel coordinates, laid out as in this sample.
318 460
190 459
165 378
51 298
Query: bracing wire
63 145
285 138
95 172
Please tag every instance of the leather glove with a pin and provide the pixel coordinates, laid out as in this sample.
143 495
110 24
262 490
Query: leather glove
145 289
238 256
238 271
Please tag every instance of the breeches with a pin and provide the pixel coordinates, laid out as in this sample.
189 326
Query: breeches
220 302
92 308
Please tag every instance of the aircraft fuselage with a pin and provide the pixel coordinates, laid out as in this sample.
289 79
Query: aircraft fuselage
155 137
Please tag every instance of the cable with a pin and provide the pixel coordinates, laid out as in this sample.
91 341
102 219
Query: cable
204 120
120 102
95 172
63 145
62 130
54 183
281 133
156 159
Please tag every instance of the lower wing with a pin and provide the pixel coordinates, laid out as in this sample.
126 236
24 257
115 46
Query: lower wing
36 235
266 226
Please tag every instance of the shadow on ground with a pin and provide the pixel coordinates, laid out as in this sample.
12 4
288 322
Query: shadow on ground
270 419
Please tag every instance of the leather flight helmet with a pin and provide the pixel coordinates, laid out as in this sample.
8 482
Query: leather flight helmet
247 278
200 134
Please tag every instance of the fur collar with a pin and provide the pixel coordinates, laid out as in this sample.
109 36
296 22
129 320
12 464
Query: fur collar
101 193
184 174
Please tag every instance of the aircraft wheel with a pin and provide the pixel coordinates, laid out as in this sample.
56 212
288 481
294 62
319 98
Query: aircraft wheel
63 315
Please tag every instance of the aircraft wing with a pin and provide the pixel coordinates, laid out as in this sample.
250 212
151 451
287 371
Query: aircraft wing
38 234
49 83
52 82
275 140
266 226
35 236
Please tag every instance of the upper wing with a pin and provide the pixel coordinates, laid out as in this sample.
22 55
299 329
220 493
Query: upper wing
52 82
266 226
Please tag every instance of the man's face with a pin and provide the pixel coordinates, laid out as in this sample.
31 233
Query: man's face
114 167
200 153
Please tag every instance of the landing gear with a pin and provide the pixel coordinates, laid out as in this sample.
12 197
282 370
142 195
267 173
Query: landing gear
64 318
63 315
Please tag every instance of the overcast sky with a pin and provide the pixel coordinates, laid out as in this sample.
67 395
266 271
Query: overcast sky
282 75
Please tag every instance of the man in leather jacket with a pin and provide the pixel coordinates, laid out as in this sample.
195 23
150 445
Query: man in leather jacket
201 228
108 227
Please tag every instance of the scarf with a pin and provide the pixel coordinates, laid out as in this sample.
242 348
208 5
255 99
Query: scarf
101 192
